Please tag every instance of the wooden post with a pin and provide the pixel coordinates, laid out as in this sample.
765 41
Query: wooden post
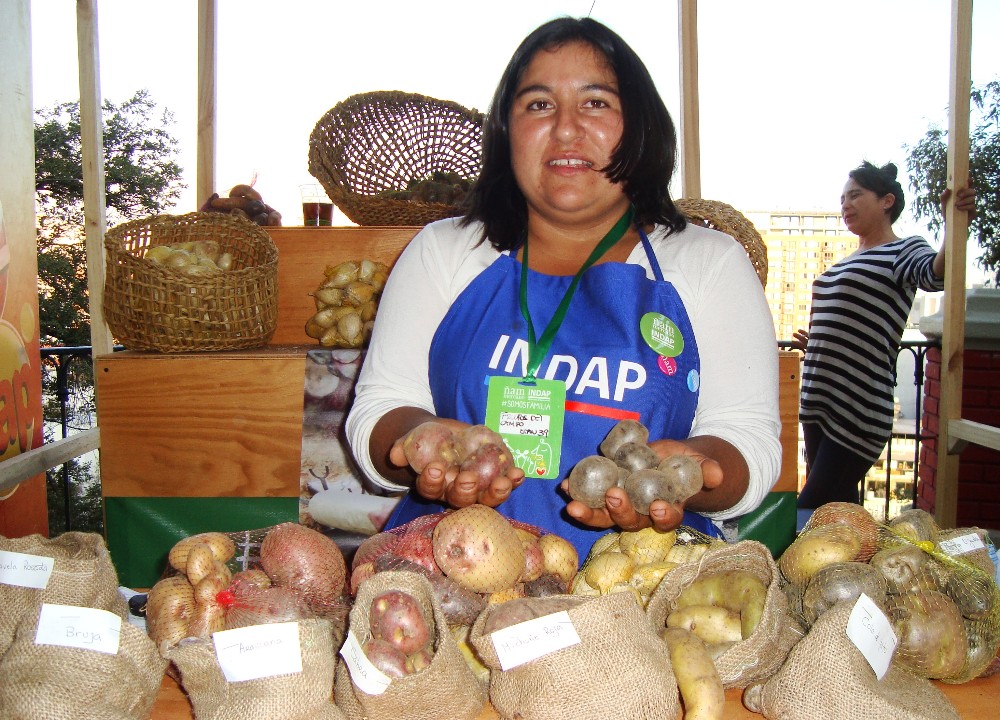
956 237
92 147
207 37
690 139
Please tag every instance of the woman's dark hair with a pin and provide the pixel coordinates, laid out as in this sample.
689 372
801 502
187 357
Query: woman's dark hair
881 181
643 162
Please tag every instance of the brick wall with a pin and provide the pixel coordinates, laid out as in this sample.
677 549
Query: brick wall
979 467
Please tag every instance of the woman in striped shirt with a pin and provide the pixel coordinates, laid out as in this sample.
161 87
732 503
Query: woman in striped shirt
859 310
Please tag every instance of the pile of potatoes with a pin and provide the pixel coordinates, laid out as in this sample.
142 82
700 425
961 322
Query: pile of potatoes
194 258
944 606
635 562
245 202
346 303
300 574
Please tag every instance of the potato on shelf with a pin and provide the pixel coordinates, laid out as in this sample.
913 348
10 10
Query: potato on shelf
246 202
346 303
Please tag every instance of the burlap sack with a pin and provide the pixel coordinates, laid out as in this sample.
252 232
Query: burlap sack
826 676
448 688
620 669
759 656
49 682
307 695
82 575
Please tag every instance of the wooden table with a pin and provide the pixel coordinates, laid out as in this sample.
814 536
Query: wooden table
975 700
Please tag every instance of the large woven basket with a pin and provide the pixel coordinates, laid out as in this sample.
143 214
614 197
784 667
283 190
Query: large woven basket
153 307
373 145
725 218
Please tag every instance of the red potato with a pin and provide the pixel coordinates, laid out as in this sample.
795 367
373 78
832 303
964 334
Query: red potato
850 514
373 546
932 637
420 660
460 605
470 439
417 546
429 442
488 462
386 658
479 549
396 617
305 560
262 605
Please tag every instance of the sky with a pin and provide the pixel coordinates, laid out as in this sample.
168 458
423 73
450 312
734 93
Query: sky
793 94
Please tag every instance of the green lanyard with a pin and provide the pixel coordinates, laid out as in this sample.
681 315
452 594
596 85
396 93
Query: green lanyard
538 350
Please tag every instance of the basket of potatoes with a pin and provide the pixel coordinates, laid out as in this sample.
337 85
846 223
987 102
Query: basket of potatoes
194 282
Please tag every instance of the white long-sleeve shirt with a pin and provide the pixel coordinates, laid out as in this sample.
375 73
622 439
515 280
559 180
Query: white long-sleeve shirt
738 400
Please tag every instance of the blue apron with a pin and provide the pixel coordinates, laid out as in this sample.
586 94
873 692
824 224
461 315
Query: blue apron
611 371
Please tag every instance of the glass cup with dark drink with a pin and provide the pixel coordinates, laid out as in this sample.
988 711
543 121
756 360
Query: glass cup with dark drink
317 210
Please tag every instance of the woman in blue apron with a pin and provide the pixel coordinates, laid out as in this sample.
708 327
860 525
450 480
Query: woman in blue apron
578 152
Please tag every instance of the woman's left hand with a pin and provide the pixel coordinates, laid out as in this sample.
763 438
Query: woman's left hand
663 516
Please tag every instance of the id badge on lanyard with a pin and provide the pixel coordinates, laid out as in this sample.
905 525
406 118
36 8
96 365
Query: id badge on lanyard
529 413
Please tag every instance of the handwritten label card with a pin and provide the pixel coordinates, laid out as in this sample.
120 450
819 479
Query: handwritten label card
962 544
31 571
79 627
530 640
258 651
366 676
871 632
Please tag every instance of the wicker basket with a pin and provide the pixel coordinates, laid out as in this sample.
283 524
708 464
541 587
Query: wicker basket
725 218
152 307
377 143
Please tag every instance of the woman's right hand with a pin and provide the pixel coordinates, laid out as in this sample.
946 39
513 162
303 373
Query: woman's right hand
445 482
800 338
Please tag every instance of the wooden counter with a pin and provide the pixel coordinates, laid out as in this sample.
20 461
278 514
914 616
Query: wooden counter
975 700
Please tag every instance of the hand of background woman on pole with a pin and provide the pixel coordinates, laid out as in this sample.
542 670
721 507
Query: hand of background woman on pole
965 200
800 338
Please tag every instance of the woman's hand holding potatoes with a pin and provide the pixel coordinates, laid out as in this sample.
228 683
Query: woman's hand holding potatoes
457 463
674 470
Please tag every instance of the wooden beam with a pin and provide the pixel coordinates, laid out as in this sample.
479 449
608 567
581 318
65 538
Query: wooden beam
207 44
15 470
92 147
963 432
955 239
690 136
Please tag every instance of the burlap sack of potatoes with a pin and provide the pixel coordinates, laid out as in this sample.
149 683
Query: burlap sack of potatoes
826 676
759 656
50 682
307 695
619 670
82 574
447 688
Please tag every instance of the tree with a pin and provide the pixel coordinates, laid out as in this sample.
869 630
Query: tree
142 178
927 163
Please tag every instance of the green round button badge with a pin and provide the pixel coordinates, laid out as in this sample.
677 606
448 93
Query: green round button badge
661 334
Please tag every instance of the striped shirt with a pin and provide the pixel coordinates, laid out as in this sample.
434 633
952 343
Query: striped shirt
859 310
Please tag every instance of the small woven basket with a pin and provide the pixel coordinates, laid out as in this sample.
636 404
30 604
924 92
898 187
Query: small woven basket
153 307
725 218
372 145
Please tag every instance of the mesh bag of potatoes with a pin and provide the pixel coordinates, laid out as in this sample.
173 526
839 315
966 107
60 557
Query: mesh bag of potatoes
605 661
306 694
346 303
937 588
826 676
400 658
228 580
731 598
